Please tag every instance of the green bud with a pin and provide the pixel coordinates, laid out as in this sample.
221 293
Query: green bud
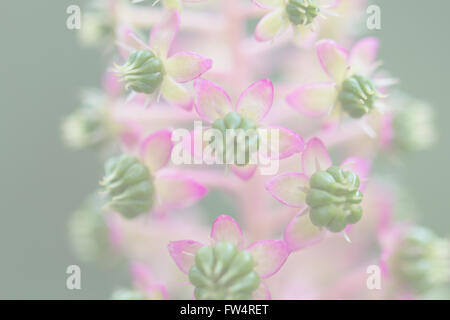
236 126
88 232
334 199
357 96
90 126
302 12
413 126
421 260
143 72
128 186
223 272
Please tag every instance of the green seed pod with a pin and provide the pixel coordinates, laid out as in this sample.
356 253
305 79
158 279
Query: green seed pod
143 72
421 260
89 233
302 12
128 185
334 199
237 128
90 126
357 96
223 272
413 126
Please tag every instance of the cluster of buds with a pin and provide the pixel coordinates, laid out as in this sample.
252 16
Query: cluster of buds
154 95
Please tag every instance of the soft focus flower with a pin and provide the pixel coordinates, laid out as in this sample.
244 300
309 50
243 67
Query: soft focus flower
302 15
136 184
225 269
170 4
332 193
214 106
354 87
150 69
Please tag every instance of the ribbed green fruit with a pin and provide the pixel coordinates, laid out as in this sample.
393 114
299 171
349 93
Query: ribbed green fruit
302 12
357 96
235 126
223 272
128 185
334 199
143 72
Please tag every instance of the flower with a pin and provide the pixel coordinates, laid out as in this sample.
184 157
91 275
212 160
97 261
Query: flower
136 184
300 14
170 4
353 89
225 269
150 70
214 105
331 193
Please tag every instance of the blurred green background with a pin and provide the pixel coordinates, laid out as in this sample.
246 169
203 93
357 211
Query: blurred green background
42 71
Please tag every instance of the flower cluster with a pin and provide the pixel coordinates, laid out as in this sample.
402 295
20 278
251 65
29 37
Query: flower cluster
294 192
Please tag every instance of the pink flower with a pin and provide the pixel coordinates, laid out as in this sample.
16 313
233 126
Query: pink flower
354 87
263 258
291 189
213 104
145 282
169 71
173 190
301 15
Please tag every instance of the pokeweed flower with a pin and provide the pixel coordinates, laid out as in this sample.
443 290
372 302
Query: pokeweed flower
354 86
134 185
332 193
224 269
416 258
214 106
302 15
89 232
409 126
150 70
145 286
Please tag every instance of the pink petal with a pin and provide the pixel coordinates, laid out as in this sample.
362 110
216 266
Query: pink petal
111 84
314 99
183 253
364 54
156 149
271 25
333 58
211 101
268 256
289 188
176 94
360 166
244 172
268 4
301 233
289 142
145 281
256 101
315 157
175 190
128 41
225 228
163 34
187 66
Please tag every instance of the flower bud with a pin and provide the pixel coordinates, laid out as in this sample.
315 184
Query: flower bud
334 199
143 72
128 186
223 272
90 126
421 260
302 12
89 233
243 137
413 126
357 96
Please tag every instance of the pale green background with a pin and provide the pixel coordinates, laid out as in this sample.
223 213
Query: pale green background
42 70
